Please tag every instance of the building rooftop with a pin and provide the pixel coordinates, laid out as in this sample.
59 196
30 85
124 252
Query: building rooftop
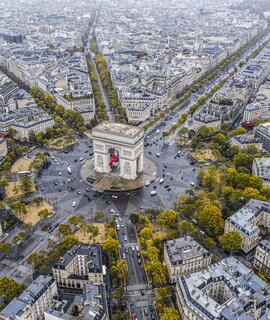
118 129
243 218
182 249
92 252
262 168
28 297
242 286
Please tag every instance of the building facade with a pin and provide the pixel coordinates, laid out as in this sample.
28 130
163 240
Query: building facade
3 148
227 290
118 149
247 220
184 256
31 304
81 264
262 257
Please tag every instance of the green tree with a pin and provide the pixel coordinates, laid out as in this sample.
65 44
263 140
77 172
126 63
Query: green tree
170 314
110 245
43 213
93 231
122 268
9 288
231 241
99 215
75 220
64 229
36 259
157 270
26 182
69 241
211 220
18 208
168 218
186 227
119 293
5 247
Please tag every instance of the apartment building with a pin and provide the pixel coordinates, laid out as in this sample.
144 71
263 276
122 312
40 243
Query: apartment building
138 113
184 256
90 305
24 128
247 220
31 304
256 110
261 168
245 140
262 257
3 148
263 134
81 264
227 290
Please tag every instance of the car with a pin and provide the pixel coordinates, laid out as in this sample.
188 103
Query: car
114 196
153 193
112 211
124 256
74 204
125 238
55 183
154 187
123 232
139 261
120 219
122 244
60 173
72 188
118 227
89 199
169 189
158 155
147 183
87 190
79 192
81 158
58 164
192 184
52 157
142 293
161 180
69 180
86 151
126 250
149 152
137 248
122 226
132 248
75 160
59 189
145 311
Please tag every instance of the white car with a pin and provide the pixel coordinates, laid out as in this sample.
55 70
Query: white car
74 204
147 183
125 238
118 227
112 211
124 256
158 155
114 196
81 159
161 180
60 173
153 193
120 219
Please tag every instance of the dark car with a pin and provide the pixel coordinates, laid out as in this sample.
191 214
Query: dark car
55 183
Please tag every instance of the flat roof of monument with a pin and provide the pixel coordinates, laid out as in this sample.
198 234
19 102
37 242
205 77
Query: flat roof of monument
118 129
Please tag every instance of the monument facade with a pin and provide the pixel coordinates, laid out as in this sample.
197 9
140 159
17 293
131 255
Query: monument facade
118 149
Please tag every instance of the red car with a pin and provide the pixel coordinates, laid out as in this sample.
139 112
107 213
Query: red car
123 231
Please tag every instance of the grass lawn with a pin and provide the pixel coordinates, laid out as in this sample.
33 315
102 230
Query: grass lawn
11 192
163 234
203 155
60 143
22 164
85 239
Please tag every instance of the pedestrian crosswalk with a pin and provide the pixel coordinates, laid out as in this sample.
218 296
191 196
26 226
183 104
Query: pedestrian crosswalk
136 287
142 304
